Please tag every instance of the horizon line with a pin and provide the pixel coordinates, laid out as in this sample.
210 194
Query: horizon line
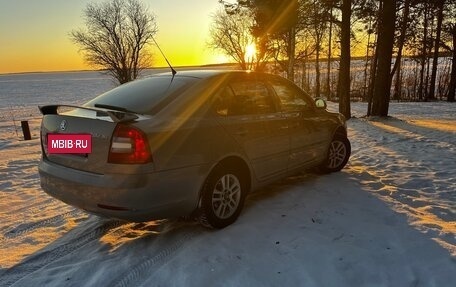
102 70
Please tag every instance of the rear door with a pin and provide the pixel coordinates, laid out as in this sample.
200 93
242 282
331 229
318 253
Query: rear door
248 111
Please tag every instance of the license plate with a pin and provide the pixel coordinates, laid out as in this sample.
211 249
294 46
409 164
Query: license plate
69 143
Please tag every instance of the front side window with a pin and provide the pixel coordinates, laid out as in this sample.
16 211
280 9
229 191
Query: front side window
291 98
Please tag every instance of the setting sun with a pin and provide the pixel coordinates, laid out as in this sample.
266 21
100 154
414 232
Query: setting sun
250 52
38 39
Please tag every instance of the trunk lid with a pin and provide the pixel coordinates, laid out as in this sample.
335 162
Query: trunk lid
99 123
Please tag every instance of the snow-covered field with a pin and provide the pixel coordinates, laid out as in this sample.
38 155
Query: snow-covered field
388 219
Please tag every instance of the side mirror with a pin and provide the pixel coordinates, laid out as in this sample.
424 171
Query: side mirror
320 104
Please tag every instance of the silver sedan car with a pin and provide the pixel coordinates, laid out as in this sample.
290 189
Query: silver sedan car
195 143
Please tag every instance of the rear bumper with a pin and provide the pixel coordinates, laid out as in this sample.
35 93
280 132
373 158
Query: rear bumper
132 197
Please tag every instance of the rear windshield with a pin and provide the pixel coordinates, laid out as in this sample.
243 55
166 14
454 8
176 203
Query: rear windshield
146 96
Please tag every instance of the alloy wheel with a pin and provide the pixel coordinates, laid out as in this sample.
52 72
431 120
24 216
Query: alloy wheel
226 196
337 154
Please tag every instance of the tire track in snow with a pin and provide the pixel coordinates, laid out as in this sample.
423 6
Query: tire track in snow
25 228
32 208
142 271
40 260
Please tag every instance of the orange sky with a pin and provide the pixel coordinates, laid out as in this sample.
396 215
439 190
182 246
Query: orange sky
34 34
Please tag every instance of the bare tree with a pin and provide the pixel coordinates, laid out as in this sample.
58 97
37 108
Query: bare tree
320 19
115 38
281 26
230 33
275 23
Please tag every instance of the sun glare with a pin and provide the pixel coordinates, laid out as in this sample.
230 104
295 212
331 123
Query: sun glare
250 52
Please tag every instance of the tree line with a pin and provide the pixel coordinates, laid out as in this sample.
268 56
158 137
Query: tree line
405 48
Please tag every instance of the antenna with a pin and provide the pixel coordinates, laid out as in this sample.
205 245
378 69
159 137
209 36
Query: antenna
171 67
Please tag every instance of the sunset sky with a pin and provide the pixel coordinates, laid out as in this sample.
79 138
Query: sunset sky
34 34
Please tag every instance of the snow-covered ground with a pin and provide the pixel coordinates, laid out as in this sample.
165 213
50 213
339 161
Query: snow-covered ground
388 219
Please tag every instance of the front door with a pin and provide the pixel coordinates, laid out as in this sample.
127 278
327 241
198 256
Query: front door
307 132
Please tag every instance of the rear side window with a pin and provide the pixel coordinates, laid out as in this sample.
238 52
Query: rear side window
224 102
146 96
245 98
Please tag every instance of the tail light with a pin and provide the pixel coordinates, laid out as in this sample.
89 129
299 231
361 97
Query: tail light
43 137
129 145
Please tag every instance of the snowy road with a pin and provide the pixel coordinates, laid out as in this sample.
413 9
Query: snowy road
388 219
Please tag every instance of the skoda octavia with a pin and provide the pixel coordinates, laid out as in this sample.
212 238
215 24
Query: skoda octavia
195 143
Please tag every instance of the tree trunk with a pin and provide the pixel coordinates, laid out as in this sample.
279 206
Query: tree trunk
373 71
435 59
366 64
343 89
400 44
421 87
452 87
382 88
291 53
328 78
317 71
303 77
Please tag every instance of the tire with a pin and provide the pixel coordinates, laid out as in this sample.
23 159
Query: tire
338 154
222 197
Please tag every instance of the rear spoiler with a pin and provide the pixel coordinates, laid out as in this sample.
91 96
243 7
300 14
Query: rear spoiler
116 116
